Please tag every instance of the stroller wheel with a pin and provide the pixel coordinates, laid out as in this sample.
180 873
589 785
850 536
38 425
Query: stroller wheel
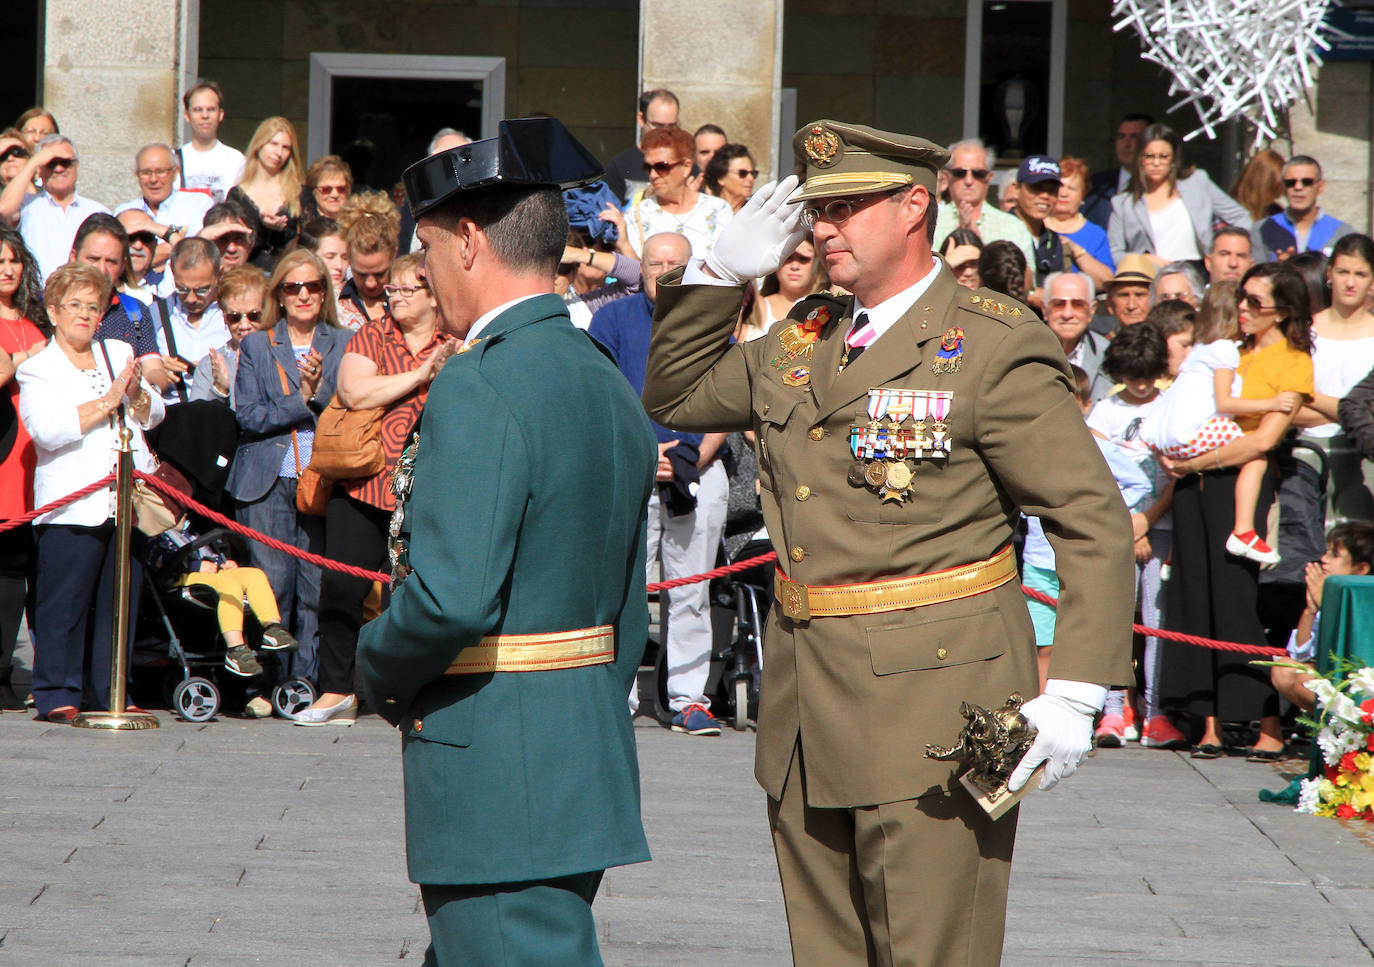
196 699
292 696
741 710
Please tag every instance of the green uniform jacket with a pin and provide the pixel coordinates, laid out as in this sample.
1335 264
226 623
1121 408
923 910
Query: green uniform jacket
526 515
865 693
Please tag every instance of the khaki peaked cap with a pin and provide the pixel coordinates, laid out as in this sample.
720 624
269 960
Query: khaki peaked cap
853 159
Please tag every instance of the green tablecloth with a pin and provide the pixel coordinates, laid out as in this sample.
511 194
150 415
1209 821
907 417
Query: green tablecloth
1347 622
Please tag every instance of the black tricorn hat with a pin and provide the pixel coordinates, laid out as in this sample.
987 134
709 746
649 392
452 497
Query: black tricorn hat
526 153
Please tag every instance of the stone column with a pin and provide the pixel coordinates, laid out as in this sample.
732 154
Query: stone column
723 59
113 75
1338 135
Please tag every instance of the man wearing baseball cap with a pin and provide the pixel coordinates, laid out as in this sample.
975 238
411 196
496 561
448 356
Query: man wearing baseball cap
898 430
1038 181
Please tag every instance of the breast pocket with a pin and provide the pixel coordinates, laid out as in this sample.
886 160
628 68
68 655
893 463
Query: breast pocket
770 421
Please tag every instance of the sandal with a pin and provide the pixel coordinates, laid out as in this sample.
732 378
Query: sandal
1266 755
1208 751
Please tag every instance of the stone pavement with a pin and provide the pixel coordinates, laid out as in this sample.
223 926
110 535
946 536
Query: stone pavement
237 842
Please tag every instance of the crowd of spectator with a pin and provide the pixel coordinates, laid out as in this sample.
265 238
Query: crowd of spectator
239 296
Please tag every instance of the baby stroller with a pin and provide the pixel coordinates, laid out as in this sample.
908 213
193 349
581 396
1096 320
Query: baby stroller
183 640
739 609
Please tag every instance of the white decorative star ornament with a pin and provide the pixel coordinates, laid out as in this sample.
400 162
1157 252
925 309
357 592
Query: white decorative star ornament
1231 58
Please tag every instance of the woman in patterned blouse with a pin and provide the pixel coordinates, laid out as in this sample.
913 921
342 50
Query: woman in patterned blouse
387 364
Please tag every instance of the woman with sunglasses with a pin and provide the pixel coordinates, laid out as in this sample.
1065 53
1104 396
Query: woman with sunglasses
1213 591
285 379
388 364
329 182
13 153
670 204
76 396
269 190
1169 209
242 292
371 225
730 175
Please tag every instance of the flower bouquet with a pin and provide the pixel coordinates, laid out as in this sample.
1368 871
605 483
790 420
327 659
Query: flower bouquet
1344 730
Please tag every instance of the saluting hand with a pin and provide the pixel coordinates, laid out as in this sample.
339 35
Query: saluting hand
762 233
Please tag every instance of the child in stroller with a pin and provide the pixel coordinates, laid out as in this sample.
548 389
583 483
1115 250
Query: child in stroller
196 562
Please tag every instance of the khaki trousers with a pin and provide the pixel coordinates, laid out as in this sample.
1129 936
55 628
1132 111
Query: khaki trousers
920 883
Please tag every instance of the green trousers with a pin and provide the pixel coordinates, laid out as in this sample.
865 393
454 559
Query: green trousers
540 923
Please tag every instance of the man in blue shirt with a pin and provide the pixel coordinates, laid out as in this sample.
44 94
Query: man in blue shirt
1303 227
687 509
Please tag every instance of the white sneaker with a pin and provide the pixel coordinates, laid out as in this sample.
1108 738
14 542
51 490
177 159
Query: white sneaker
345 713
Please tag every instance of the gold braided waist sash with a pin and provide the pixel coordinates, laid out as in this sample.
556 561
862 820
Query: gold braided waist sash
802 602
543 652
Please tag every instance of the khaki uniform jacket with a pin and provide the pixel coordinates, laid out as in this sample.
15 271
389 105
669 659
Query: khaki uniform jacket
865 693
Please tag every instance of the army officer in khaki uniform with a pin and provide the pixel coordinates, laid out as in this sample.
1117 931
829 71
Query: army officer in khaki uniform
900 430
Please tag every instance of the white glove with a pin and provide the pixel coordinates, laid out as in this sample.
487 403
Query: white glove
760 236
1063 718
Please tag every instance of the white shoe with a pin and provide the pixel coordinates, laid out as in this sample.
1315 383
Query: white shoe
345 713
1255 549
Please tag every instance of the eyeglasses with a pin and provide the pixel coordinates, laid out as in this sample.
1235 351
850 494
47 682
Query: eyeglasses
745 172
14 151
146 173
233 238
1162 158
82 310
332 189
34 132
1076 304
838 211
233 318
799 259
651 125
662 168
1287 182
61 164
1253 303
142 240
404 291
315 287
200 291
959 174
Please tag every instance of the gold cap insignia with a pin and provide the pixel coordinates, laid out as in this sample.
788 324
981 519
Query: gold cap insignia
822 147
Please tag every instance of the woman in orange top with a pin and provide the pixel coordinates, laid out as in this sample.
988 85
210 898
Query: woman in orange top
21 305
389 363
1212 593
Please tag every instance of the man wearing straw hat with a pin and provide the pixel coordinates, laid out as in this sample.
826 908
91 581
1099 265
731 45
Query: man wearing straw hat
900 430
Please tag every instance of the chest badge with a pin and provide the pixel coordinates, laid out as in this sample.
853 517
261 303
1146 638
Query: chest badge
797 376
887 448
950 356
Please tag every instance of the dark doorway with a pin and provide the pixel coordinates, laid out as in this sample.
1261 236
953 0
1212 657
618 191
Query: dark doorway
380 125
1014 89
21 44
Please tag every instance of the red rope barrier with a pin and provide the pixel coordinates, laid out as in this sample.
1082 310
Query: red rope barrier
735 568
248 532
12 522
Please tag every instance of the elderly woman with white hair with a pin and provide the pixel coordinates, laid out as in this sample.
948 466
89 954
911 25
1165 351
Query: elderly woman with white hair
1178 280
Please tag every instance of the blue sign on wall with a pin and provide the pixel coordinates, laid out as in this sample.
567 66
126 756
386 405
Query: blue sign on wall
1356 39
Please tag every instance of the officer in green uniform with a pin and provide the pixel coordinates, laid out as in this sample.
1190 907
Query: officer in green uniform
518 614
900 429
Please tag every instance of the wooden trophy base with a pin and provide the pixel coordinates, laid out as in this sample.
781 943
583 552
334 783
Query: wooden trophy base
998 802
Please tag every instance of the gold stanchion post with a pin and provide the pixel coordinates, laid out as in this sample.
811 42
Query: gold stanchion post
118 717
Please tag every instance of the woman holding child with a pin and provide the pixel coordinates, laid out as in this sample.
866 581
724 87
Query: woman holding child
1214 587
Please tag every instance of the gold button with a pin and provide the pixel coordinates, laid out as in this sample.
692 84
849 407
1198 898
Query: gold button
766 408
419 726
798 554
803 492
817 433
941 653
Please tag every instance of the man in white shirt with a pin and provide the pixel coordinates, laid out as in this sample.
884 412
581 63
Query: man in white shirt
207 165
970 173
175 213
49 219
193 314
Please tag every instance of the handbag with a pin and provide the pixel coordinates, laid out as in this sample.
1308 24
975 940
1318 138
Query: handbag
154 511
348 443
312 490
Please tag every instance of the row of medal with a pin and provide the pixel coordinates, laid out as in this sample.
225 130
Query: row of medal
882 449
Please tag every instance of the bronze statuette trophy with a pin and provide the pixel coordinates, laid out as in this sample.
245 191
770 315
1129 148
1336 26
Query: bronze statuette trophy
991 745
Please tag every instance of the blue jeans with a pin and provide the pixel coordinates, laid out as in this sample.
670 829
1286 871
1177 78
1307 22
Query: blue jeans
295 583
